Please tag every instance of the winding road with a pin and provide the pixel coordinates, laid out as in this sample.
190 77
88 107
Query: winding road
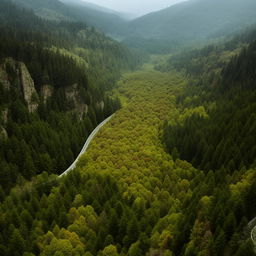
86 145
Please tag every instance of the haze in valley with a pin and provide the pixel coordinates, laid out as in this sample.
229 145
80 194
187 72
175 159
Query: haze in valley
140 7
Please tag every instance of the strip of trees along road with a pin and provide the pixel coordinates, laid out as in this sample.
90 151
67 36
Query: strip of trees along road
86 145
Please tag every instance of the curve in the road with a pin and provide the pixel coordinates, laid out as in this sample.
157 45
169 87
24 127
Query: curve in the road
253 235
86 145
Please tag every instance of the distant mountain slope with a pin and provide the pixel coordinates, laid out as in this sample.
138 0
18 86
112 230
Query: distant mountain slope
90 6
124 15
194 20
50 9
104 19
107 20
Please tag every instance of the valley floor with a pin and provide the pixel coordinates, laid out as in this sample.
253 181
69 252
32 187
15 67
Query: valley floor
168 206
129 147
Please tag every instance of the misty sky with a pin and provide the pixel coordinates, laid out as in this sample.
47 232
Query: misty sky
138 7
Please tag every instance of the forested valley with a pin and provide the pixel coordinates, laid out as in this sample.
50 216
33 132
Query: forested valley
48 122
171 174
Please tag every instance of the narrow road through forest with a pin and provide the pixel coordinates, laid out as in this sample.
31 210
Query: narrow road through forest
86 145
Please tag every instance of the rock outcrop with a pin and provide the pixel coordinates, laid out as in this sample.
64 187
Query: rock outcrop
3 133
12 70
101 104
46 92
28 88
5 66
4 116
72 94
15 73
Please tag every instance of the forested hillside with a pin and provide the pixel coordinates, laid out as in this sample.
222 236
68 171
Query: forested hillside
90 48
225 138
108 21
221 78
189 22
75 11
215 131
53 80
128 196
173 173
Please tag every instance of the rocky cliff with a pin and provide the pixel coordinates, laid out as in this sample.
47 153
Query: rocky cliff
15 73
28 87
4 115
46 92
79 107
3 133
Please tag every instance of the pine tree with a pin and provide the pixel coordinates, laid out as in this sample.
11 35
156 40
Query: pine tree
16 244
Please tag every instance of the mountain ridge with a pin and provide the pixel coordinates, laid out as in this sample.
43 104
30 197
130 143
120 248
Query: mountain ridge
55 10
193 20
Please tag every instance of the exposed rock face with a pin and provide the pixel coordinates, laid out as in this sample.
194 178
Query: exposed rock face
4 116
15 73
28 88
100 104
72 94
81 110
5 78
3 133
46 92
9 71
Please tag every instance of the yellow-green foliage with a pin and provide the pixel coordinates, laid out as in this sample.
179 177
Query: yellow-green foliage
129 148
188 112
243 184
75 54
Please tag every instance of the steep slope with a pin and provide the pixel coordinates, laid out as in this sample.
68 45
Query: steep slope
93 6
88 46
128 196
52 9
172 174
194 20
53 82
215 131
105 20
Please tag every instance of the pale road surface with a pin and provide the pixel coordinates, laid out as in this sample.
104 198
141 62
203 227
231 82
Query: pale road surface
253 235
86 145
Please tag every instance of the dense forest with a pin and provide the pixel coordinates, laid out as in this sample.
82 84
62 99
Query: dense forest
189 23
88 46
222 125
128 196
171 174
215 131
65 58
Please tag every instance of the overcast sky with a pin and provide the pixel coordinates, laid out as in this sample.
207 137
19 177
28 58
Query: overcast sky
138 7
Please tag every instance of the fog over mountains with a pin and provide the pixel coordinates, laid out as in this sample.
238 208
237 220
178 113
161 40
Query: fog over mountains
138 8
179 24
192 21
195 18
